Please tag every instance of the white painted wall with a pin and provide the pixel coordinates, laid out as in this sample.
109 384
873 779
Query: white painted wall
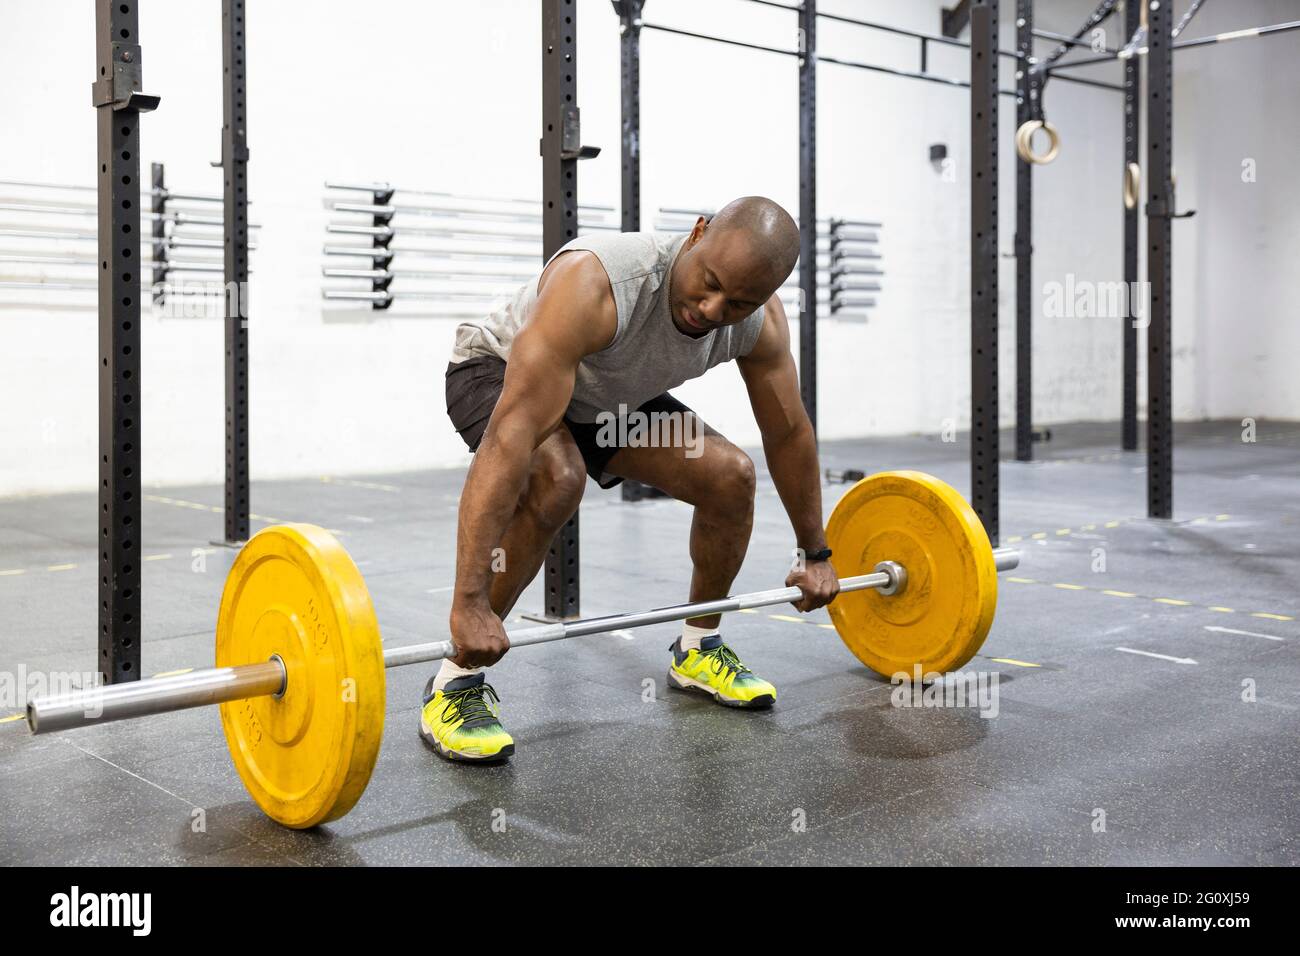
445 95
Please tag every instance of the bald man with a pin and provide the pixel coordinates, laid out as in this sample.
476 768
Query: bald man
571 379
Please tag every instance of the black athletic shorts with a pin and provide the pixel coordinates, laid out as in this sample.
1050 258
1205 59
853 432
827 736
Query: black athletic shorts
474 385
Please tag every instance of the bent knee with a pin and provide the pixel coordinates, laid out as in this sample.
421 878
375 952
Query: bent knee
732 483
555 486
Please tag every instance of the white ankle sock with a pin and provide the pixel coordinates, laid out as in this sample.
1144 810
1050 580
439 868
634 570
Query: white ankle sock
691 636
449 672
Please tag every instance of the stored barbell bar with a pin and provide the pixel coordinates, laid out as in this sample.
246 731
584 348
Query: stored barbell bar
389 187
179 217
216 685
184 197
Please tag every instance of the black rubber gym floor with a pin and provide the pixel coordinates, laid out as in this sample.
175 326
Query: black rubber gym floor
1147 714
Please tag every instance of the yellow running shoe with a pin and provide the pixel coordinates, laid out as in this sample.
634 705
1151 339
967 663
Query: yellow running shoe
462 721
717 671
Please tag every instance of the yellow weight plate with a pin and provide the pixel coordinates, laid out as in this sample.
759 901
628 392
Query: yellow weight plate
942 615
306 756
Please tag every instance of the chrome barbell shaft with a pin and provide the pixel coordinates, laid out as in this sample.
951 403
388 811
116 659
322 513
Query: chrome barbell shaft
155 695
1004 559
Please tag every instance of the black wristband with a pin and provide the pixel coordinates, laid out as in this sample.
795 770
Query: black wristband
822 555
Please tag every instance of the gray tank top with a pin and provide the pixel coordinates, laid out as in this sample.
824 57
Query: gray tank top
648 355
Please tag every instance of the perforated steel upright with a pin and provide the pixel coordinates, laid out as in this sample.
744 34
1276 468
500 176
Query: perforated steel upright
561 139
629 45
1132 144
118 103
984 263
808 208
1160 206
1029 106
234 165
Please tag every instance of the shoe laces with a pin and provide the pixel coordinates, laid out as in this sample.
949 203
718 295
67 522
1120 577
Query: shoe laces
470 704
724 660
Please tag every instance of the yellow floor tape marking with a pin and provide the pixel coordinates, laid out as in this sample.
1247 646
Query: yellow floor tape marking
1038 535
1012 660
60 567
10 720
156 557
1063 531
1222 517
1112 524
786 617
831 626
1014 538
1176 602
175 673
13 571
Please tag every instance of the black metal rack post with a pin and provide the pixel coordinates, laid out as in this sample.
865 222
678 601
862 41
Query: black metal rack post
118 102
808 208
1160 206
1029 106
1132 142
984 263
234 166
629 43
561 139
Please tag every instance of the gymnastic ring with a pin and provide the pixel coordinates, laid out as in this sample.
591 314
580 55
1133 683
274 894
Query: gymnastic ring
1132 185
1024 144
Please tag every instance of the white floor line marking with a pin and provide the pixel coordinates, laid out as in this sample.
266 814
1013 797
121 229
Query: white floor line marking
1163 657
1278 703
189 803
252 837
1233 630
449 587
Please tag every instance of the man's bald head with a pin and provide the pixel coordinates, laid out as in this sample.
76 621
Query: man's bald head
768 231
732 264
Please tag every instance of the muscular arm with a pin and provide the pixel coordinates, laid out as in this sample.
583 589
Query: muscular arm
789 446
574 315
788 441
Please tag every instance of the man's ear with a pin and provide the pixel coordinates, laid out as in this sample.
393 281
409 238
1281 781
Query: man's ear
697 231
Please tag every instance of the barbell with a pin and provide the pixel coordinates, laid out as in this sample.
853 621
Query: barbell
300 665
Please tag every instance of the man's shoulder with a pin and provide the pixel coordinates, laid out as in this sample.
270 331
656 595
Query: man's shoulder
629 255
